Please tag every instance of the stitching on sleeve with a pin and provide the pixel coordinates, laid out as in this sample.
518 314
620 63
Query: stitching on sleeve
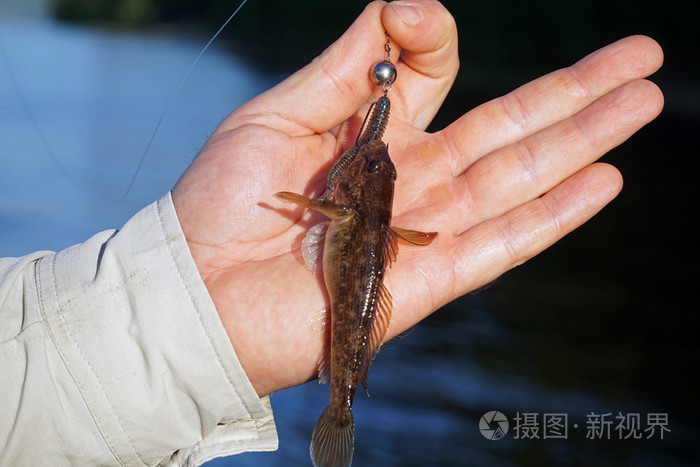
199 317
244 440
99 383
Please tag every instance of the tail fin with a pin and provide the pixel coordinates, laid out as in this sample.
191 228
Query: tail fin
332 441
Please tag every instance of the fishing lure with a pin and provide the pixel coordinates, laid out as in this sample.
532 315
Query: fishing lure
383 73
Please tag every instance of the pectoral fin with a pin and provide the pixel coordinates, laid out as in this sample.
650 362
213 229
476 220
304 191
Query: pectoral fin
324 206
312 246
415 237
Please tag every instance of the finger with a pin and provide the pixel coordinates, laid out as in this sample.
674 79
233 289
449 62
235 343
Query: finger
427 35
523 171
332 88
487 250
328 90
549 99
425 279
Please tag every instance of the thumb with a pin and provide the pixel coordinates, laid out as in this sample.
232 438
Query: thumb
328 90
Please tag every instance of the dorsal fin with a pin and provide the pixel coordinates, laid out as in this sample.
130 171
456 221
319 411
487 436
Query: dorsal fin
322 325
324 365
382 311
389 246
380 323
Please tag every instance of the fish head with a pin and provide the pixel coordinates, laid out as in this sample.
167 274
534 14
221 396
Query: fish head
374 160
370 175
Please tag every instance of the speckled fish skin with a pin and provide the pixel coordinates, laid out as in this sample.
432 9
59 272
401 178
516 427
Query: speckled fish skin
359 245
358 248
355 259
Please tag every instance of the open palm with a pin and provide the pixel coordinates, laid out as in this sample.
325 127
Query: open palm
500 184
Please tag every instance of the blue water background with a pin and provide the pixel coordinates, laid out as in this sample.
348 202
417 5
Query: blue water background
96 94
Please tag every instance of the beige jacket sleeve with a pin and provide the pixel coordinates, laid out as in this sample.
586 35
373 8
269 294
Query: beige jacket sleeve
112 353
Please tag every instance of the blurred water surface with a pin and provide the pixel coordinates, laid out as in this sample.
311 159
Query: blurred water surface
79 105
551 337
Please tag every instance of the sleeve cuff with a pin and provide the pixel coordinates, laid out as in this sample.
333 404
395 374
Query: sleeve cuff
135 326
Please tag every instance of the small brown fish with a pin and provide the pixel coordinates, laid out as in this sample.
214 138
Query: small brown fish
359 245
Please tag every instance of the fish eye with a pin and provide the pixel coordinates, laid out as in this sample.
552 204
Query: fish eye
372 166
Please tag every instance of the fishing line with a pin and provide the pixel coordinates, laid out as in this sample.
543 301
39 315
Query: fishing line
172 98
45 142
32 119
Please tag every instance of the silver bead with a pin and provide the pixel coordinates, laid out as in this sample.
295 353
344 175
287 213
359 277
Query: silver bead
383 72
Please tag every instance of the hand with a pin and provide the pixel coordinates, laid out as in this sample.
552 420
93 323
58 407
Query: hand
500 184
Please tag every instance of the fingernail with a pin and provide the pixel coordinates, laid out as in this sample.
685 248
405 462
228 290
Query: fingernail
408 13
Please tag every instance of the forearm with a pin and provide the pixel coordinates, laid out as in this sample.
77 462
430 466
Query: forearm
112 352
